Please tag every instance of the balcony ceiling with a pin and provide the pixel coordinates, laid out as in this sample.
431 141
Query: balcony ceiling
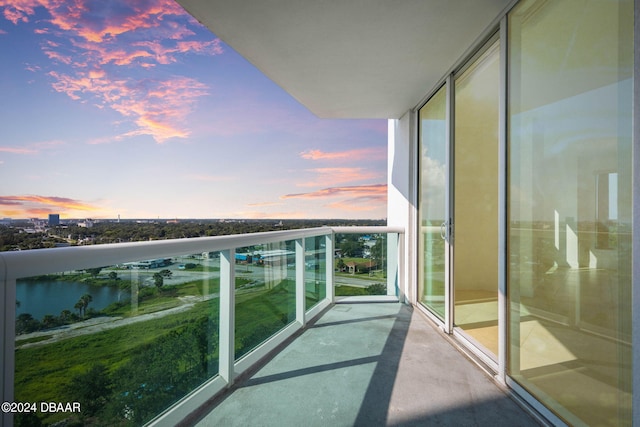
350 59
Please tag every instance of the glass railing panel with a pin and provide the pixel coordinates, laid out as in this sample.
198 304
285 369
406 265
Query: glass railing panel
360 264
125 341
315 270
265 293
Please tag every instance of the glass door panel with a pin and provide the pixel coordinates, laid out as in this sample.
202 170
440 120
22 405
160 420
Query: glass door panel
475 195
433 211
570 211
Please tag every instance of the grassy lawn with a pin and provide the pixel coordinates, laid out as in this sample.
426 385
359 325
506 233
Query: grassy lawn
347 291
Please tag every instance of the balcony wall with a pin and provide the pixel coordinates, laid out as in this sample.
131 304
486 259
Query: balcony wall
183 318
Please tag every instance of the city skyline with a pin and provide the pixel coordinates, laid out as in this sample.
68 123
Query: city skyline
140 112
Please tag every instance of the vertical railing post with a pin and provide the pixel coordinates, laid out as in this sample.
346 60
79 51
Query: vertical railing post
403 290
392 265
227 315
330 270
300 285
8 332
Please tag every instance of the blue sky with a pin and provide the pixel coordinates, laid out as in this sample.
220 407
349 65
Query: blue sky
133 109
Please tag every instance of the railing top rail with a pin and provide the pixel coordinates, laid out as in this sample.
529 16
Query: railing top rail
14 265
373 229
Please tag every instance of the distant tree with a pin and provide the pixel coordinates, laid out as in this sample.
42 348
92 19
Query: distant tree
25 323
78 306
351 248
48 321
91 388
94 271
379 249
113 275
158 280
65 316
84 303
166 273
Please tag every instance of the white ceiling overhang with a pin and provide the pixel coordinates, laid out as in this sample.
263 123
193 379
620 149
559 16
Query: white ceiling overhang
350 58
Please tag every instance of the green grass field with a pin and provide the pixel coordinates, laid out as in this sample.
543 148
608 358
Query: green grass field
151 364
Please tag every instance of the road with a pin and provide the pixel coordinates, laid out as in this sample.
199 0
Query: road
99 324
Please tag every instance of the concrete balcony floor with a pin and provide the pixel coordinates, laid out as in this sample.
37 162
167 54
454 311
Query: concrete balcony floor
368 364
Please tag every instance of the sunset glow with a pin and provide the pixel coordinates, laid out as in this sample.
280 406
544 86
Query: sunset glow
134 109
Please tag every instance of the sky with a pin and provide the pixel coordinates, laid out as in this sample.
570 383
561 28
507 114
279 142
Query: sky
133 109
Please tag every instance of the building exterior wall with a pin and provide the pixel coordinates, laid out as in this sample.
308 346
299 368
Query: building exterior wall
401 196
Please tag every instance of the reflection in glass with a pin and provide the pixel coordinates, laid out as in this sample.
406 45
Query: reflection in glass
360 264
125 341
476 199
433 146
265 293
569 236
315 270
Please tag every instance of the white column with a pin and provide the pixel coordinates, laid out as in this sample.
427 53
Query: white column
402 195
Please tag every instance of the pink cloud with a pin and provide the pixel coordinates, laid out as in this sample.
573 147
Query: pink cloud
105 21
17 150
32 68
167 55
97 38
18 10
57 56
31 205
374 153
158 108
263 204
370 192
333 176
351 198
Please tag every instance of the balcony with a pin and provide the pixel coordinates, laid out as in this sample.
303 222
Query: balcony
192 322
367 364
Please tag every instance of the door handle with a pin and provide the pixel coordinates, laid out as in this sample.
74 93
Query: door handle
443 230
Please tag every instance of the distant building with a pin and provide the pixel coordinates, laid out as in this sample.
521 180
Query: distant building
88 223
38 224
54 219
148 264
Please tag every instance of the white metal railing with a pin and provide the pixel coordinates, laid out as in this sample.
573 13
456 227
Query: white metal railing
22 264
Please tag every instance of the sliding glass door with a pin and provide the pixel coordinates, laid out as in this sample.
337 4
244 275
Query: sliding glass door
434 213
475 199
570 200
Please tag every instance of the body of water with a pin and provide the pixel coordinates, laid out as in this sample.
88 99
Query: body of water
51 297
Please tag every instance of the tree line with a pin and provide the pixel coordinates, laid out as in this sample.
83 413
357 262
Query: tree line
14 237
